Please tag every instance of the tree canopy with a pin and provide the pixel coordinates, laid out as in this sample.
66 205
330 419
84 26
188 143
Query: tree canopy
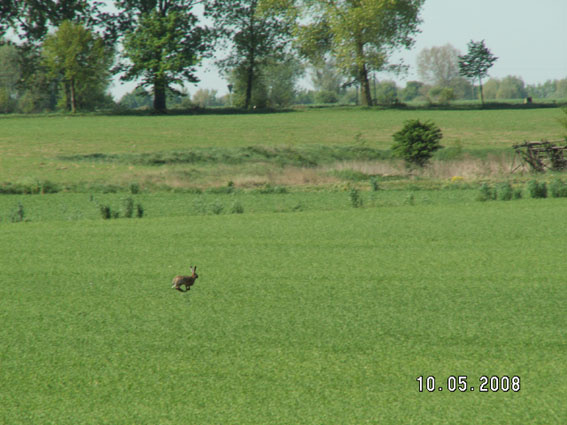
77 58
476 63
162 44
258 35
360 35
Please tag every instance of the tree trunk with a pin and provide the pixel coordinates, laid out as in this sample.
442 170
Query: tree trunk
73 96
249 83
159 96
365 94
251 58
481 93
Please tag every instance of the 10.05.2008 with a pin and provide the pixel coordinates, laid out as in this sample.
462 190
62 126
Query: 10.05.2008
461 383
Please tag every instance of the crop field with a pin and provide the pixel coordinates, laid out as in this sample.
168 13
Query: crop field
309 317
306 310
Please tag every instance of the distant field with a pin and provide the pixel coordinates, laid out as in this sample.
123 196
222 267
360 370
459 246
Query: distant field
31 148
302 317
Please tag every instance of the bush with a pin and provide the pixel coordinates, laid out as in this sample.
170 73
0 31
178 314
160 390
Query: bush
326 96
558 189
505 192
536 189
128 208
107 213
217 207
18 215
416 142
134 188
355 198
236 208
374 184
139 210
487 193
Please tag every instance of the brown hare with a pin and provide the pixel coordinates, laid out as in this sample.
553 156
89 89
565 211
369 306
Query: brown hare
187 281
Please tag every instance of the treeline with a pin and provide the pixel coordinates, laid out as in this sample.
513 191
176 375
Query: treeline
63 54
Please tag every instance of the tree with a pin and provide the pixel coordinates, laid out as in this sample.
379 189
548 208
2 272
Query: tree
490 88
258 35
361 35
162 44
281 77
8 13
34 18
416 142
326 77
411 90
386 93
476 63
438 66
246 93
511 87
136 99
10 74
79 59
31 21
205 98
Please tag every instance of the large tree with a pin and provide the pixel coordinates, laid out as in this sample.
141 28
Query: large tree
10 73
79 59
162 44
32 19
359 34
476 63
258 34
439 65
8 13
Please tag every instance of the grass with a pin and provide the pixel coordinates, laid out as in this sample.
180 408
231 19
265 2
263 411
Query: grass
316 317
306 309
123 149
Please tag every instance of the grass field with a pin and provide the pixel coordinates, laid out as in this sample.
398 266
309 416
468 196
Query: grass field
306 310
50 147
316 317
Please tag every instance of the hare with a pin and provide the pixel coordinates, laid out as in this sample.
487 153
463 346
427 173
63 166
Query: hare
188 281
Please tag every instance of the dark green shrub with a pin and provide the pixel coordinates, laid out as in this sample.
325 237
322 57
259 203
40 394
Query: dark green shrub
355 198
326 96
47 186
558 188
236 208
536 189
487 193
128 208
139 210
505 192
416 142
134 188
106 212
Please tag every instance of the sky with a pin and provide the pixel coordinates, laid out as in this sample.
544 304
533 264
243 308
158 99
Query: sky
528 37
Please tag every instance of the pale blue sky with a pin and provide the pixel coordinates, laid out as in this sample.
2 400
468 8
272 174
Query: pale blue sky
529 38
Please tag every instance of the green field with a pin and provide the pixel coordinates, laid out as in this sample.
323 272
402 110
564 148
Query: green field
309 317
51 147
306 310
